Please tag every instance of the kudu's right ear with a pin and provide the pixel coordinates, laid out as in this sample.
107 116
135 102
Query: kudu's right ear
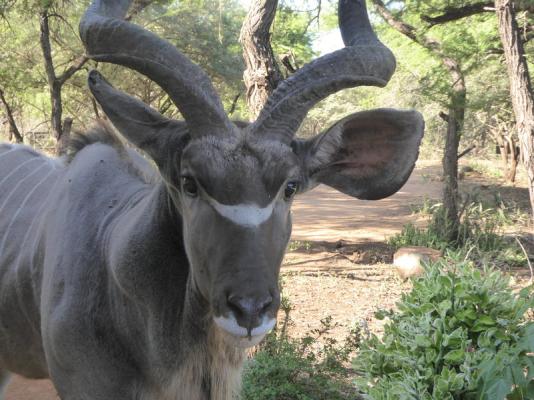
141 125
368 155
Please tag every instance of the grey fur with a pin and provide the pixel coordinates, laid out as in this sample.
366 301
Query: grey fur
126 279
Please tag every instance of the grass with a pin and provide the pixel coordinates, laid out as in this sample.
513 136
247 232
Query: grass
314 367
487 170
296 245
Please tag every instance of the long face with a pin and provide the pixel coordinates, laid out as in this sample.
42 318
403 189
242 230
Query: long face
235 199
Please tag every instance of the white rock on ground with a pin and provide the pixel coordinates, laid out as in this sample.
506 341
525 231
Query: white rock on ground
408 260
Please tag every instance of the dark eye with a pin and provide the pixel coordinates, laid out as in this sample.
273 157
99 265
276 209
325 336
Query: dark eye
189 186
291 189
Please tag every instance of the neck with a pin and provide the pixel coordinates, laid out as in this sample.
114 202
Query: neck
145 251
148 265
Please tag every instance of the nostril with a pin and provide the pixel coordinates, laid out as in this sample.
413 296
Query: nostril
265 304
234 303
249 307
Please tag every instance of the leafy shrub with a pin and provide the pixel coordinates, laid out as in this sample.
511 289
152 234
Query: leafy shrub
480 234
300 369
461 334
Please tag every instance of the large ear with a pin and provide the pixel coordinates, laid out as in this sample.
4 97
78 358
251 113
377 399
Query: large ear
368 155
141 125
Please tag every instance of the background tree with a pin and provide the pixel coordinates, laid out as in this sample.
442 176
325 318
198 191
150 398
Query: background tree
55 82
520 85
262 73
456 108
512 40
13 128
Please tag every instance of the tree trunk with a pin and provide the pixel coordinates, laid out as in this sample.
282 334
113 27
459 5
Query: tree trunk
63 142
450 174
455 119
520 87
262 74
512 170
13 129
513 152
55 83
455 124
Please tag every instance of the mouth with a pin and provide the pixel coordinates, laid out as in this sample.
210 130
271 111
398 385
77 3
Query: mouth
243 337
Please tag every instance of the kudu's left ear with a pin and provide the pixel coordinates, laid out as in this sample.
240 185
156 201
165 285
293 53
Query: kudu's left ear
368 155
143 126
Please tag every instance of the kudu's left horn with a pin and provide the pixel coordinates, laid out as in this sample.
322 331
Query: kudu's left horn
109 38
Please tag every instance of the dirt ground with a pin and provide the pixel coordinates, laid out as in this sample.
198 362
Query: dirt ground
338 264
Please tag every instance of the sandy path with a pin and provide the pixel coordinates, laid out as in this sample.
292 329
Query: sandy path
24 389
324 214
321 215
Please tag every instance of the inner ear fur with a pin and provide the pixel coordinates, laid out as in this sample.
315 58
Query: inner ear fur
368 155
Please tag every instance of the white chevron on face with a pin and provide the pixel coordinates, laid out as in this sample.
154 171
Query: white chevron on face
247 215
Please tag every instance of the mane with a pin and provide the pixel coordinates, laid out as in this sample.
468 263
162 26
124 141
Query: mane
103 132
100 132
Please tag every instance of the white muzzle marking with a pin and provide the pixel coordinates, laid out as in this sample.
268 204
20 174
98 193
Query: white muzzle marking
248 215
239 335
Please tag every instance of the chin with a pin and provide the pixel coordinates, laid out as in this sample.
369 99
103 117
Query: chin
238 336
241 342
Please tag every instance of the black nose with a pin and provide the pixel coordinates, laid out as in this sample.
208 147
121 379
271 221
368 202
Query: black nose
249 310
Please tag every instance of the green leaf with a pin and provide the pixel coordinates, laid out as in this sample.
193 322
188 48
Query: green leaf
444 307
422 341
498 390
527 341
455 356
485 320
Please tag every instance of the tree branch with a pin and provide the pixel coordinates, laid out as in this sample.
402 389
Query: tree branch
46 48
406 29
75 67
138 6
455 13
234 103
467 151
11 120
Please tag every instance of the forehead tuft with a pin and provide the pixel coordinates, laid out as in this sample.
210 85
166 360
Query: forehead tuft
238 170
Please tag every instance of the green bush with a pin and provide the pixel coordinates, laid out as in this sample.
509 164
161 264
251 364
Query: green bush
460 334
301 369
480 234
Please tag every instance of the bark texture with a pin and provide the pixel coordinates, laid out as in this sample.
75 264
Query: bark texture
508 150
63 143
455 125
262 73
13 129
55 83
520 86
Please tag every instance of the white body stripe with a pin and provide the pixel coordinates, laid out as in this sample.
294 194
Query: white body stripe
248 215
17 168
7 152
19 183
14 217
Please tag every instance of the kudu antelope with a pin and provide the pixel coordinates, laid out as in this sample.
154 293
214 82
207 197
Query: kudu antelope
123 281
